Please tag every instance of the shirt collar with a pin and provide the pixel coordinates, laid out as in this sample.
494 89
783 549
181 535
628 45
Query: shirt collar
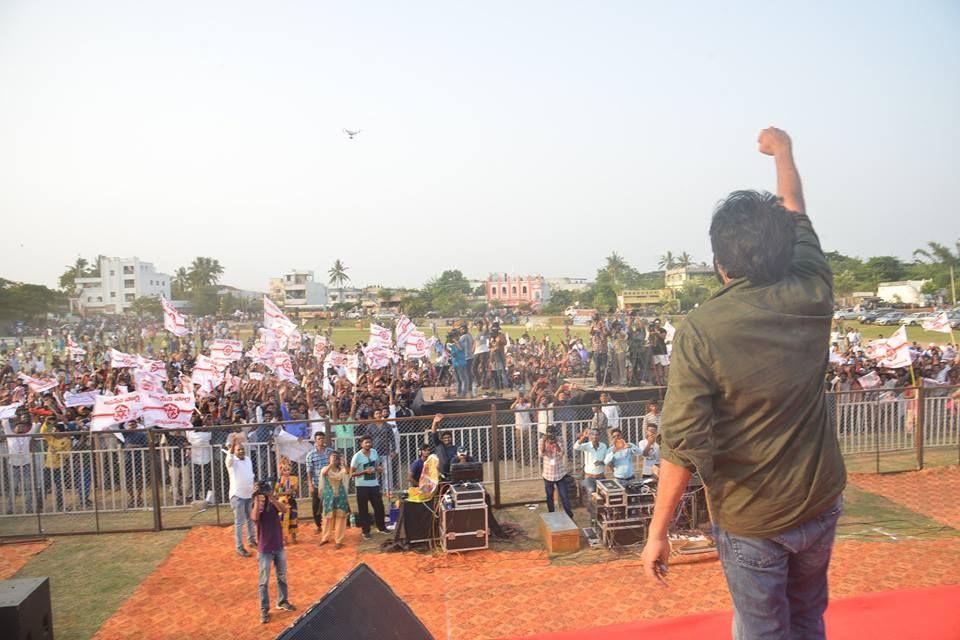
732 284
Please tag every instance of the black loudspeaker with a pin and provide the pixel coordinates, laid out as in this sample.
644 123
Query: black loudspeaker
360 607
25 609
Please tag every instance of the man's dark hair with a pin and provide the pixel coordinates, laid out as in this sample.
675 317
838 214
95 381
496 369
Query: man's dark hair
752 236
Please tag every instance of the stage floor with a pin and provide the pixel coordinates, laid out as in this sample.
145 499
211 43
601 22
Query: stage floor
504 592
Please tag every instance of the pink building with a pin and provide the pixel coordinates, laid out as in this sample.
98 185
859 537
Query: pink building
511 291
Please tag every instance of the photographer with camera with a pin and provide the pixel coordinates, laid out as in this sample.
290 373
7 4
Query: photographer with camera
268 515
553 471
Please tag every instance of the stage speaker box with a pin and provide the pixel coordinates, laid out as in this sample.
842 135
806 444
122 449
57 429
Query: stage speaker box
25 609
360 607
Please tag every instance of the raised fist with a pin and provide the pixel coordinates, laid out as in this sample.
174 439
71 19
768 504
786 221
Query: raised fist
773 141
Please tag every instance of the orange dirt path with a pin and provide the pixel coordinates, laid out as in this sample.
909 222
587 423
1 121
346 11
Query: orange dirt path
14 556
933 492
204 591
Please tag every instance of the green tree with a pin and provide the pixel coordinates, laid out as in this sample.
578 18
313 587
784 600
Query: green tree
147 307
667 261
338 273
79 269
885 268
558 302
204 272
24 301
205 300
180 285
685 260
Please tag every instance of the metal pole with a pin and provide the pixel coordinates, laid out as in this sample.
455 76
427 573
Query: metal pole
154 482
94 463
495 440
918 427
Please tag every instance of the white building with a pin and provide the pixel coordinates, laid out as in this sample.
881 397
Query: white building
121 281
676 277
576 285
902 292
348 295
299 290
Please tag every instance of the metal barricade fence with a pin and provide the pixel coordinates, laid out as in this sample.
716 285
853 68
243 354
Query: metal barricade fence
76 482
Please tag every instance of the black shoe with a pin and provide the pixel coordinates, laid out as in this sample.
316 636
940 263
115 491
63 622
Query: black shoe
243 553
286 606
264 616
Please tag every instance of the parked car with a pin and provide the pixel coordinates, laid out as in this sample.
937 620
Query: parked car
354 314
915 319
846 314
868 317
893 317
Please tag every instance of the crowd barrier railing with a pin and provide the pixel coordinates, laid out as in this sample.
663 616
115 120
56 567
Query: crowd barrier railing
73 482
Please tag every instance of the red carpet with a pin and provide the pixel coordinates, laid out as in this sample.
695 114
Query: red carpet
931 614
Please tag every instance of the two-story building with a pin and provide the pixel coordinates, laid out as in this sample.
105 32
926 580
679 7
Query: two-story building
512 291
119 282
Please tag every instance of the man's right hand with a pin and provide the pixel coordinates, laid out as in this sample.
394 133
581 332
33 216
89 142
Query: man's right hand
773 141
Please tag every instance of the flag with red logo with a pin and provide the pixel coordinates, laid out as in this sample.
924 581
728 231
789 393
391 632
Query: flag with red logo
378 357
319 347
121 360
38 385
941 323
170 411
379 336
73 348
225 351
336 360
157 368
353 368
113 410
417 345
404 328
205 369
186 384
231 383
892 353
282 367
274 318
146 381
173 321
870 381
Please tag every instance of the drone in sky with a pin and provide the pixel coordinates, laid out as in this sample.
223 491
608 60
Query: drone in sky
352 134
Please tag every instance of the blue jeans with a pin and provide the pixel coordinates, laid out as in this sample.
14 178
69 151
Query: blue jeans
779 584
561 486
279 560
241 514
463 387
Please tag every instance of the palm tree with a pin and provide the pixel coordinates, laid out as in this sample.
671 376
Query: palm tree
78 269
939 254
338 275
616 267
205 272
667 261
685 260
181 282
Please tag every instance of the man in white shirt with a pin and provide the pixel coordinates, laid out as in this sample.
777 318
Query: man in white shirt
20 462
610 409
651 453
240 472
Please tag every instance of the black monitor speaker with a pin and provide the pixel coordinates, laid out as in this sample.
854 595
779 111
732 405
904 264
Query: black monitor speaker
466 472
360 607
25 609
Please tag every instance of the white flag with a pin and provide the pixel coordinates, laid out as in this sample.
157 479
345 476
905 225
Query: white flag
670 331
892 353
940 324
404 328
225 351
186 384
73 348
319 347
148 382
81 399
204 370
121 360
378 357
231 383
170 411
111 410
173 321
336 360
870 381
8 411
156 368
283 367
417 345
38 385
353 368
379 336
255 375
275 319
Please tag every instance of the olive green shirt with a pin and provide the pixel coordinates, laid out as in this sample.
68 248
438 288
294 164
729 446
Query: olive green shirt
745 402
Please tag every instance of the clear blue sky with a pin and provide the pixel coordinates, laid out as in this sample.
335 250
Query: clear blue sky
499 136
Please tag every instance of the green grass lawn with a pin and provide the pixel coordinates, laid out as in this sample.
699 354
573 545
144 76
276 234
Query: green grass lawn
872 332
91 576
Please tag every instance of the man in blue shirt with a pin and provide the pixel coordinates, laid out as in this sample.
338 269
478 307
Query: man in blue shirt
620 457
365 466
594 465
